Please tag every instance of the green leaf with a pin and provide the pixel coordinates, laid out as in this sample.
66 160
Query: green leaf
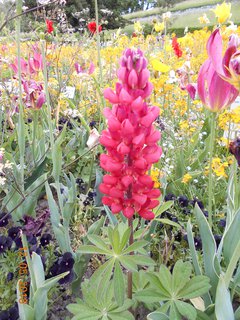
202 316
211 264
186 310
135 246
119 284
57 155
103 285
142 260
116 240
164 279
174 313
92 250
157 316
98 242
124 239
196 287
237 314
150 296
156 282
181 275
128 263
25 311
192 249
111 216
223 304
230 240
38 269
162 208
169 222
121 316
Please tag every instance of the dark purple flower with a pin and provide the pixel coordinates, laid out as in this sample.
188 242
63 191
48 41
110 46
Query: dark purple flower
183 201
18 242
199 202
45 239
234 148
4 218
205 212
34 226
4 315
218 239
10 276
63 264
66 262
32 239
13 312
178 236
170 196
68 278
5 243
198 243
14 232
222 223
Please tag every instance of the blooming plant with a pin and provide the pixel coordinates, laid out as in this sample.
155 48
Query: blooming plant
108 222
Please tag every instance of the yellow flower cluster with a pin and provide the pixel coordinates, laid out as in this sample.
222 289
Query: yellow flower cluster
186 178
156 175
218 167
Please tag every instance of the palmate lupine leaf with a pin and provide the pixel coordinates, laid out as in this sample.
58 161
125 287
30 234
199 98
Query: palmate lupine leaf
173 289
91 307
118 255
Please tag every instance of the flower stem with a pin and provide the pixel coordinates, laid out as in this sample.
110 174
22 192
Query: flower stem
130 224
98 42
21 124
210 180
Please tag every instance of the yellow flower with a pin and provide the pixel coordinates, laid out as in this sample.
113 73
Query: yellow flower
204 19
186 178
159 66
223 12
159 26
155 175
137 27
218 167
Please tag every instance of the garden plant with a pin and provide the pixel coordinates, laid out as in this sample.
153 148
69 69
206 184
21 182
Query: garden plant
119 166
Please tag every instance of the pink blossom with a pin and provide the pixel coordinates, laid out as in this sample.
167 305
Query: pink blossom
131 141
82 69
34 94
217 79
227 66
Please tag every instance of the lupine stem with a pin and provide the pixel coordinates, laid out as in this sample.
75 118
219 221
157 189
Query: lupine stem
131 240
210 180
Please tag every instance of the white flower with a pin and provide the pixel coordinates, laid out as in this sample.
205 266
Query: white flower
93 138
2 181
166 15
43 2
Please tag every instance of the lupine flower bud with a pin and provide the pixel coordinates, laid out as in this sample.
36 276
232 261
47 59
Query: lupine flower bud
130 141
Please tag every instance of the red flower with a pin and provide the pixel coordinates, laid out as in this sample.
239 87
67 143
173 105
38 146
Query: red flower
49 24
131 141
92 27
176 47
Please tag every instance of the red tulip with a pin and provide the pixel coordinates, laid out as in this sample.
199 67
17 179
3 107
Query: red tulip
92 27
49 24
176 47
